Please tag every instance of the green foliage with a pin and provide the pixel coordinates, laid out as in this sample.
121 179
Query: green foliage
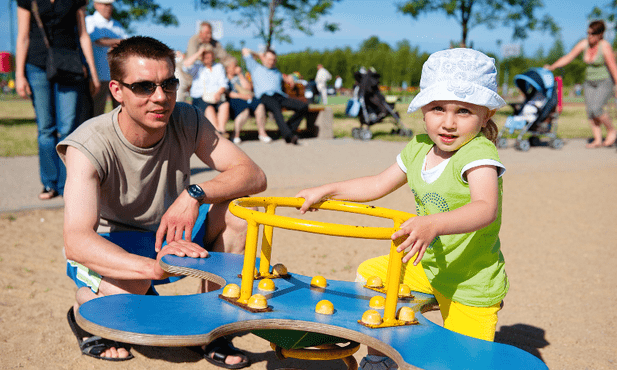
518 14
272 19
129 11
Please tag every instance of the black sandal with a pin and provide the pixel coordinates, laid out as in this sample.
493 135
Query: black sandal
220 349
48 193
94 345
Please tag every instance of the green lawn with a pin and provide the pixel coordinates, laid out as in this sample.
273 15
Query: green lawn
18 127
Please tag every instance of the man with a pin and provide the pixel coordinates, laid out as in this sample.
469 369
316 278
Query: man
321 79
268 86
105 33
202 38
129 170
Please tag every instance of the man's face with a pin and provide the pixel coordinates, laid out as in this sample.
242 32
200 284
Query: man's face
205 34
150 112
104 9
207 58
269 60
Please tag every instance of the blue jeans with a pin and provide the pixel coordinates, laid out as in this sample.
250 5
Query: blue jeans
56 109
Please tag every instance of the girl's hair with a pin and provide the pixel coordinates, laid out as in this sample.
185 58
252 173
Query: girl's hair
491 131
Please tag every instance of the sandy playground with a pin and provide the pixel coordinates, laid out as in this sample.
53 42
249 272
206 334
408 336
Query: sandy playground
558 237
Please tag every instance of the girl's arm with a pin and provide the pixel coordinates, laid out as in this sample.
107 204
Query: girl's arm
480 212
362 189
21 52
86 47
566 59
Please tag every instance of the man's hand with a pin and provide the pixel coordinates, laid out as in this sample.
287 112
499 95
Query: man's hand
180 248
179 218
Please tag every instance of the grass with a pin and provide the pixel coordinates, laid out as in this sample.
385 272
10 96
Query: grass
18 133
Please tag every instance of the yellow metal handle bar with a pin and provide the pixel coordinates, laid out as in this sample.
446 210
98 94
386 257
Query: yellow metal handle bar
323 352
238 208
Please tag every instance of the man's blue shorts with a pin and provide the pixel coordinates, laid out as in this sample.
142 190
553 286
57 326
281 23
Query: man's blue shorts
135 242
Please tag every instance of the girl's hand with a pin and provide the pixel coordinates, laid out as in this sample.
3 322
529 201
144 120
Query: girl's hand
418 232
311 196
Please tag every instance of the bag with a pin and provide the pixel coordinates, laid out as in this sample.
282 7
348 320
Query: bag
65 66
208 97
353 107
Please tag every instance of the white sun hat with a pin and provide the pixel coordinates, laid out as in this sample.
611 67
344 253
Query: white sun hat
464 75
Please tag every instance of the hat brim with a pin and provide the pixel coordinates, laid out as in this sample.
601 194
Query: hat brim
475 94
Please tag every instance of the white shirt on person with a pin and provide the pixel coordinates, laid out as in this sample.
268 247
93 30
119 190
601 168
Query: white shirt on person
206 79
98 28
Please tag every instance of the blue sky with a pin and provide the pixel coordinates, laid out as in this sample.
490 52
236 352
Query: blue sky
359 20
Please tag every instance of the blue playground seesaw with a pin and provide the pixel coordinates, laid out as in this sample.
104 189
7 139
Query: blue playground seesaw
302 317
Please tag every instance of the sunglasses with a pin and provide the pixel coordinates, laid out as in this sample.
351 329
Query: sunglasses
147 88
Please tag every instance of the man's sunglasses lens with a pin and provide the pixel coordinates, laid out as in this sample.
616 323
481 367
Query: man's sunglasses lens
148 87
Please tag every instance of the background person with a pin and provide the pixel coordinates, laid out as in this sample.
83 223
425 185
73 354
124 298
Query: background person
268 84
56 103
321 79
130 169
209 86
105 33
202 38
601 74
242 102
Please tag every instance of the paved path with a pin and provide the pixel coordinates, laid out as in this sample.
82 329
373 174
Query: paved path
311 164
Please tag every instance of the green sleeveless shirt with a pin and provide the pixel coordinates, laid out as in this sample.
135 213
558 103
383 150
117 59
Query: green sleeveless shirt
596 70
467 268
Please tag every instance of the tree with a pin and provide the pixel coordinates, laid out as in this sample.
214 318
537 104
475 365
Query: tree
129 11
518 14
272 19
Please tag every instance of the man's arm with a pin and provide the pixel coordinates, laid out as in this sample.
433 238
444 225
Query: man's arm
239 176
81 217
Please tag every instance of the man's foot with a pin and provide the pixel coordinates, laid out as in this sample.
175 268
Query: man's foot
48 194
95 346
221 352
293 139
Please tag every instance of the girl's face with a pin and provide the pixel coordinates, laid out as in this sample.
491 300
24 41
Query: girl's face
452 124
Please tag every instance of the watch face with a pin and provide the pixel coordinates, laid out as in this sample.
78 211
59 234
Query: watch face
196 192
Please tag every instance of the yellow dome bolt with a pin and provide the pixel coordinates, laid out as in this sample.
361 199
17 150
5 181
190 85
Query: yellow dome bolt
324 307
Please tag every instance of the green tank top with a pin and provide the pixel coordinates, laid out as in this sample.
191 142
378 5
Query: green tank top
596 70
467 268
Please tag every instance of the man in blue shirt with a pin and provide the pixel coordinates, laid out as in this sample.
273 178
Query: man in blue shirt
268 86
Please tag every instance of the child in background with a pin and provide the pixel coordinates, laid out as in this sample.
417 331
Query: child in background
454 172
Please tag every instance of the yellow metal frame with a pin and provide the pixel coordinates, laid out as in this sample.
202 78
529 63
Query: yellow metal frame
241 208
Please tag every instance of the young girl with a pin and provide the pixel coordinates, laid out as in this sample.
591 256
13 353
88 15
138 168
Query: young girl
455 175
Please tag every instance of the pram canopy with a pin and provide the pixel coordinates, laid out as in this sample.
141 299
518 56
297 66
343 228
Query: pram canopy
538 81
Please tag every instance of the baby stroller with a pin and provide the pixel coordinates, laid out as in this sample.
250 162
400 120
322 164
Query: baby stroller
370 106
537 116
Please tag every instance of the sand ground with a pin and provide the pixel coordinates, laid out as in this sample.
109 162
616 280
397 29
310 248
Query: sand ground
558 237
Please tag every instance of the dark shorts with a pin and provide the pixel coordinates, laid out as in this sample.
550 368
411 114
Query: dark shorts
202 105
237 106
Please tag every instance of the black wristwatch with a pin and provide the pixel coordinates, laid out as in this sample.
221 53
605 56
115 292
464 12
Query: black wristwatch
196 192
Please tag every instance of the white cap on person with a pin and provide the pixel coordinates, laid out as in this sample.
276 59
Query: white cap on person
464 75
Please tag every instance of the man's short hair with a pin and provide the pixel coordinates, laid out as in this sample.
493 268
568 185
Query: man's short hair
205 23
137 46
270 51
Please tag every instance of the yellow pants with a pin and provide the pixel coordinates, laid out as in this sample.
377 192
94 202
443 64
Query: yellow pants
477 322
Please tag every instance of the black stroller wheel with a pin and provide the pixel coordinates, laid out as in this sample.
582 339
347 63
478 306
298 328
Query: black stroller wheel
556 143
502 143
366 134
405 132
523 145
355 133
